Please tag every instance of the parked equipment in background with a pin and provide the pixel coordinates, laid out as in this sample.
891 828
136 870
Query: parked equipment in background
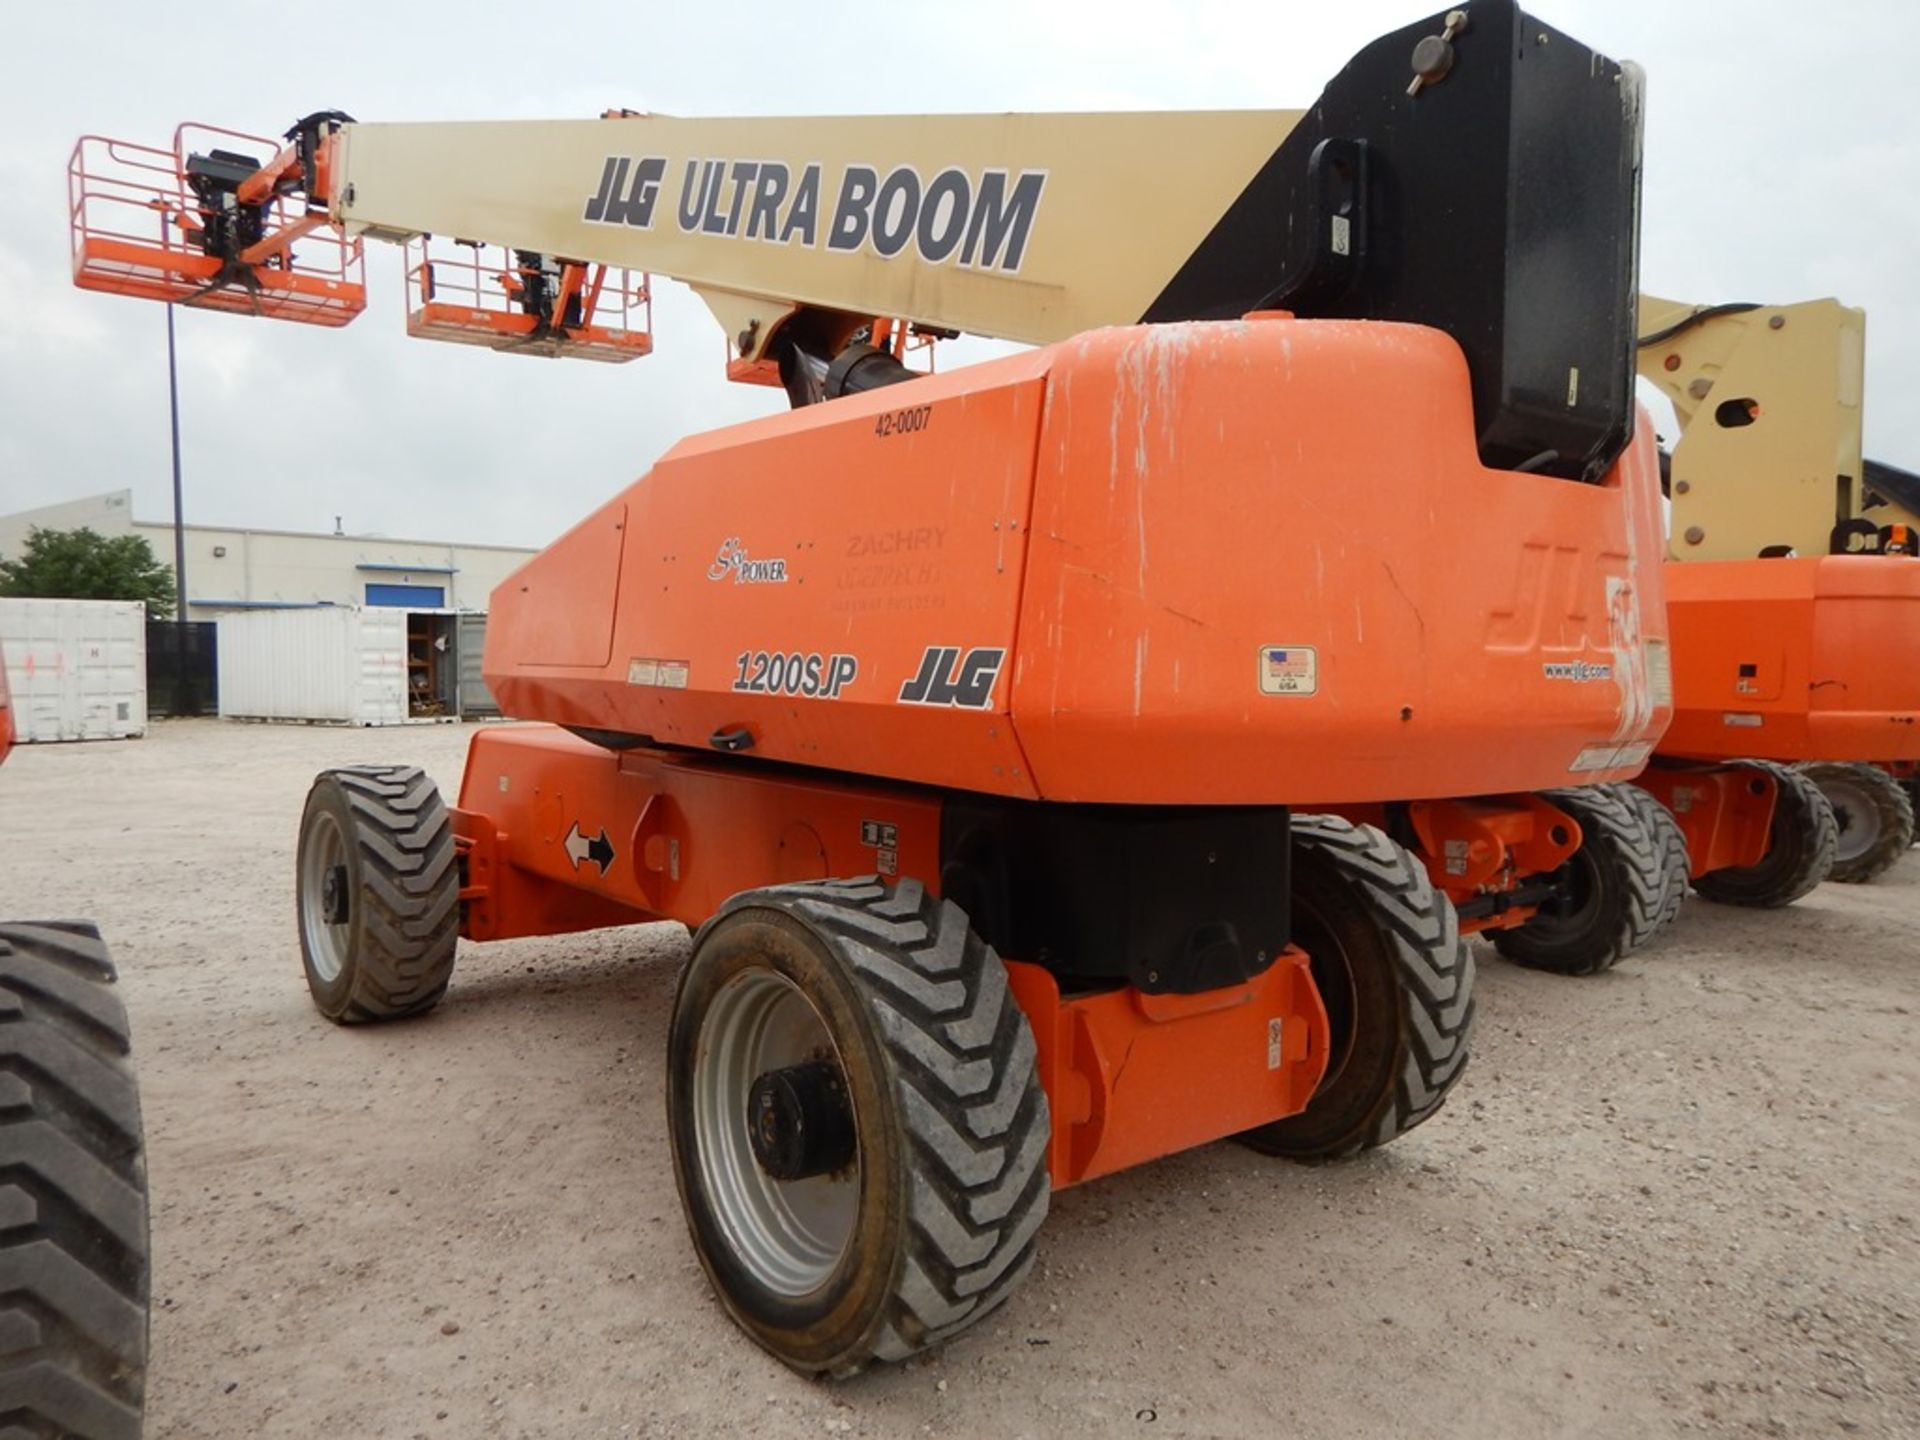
351 665
77 668
74 1248
966 715
1793 595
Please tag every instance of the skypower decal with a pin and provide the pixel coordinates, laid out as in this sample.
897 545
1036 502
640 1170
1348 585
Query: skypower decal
732 559
981 221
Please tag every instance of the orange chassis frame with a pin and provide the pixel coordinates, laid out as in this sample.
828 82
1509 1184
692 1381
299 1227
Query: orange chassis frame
1482 852
556 834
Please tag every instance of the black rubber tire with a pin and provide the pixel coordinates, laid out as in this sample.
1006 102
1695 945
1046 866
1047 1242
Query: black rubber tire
1616 881
1396 977
1874 814
402 885
1670 845
73 1200
1912 788
953 1128
1801 841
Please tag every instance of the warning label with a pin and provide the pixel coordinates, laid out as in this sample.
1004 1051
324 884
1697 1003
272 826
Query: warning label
1612 757
1659 672
1289 670
668 674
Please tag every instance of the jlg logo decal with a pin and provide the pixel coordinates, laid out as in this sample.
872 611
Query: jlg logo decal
978 219
948 676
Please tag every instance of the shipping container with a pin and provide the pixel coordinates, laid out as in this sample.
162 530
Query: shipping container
340 664
476 700
77 668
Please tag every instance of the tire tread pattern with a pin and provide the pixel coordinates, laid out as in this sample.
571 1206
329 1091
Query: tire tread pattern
409 893
73 1191
1670 845
963 1061
1433 966
1895 807
1809 819
1618 838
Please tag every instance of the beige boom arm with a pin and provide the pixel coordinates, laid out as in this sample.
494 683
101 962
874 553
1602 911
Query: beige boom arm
1769 402
1024 227
1416 189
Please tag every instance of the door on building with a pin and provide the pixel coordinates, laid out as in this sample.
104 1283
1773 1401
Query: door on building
418 597
433 669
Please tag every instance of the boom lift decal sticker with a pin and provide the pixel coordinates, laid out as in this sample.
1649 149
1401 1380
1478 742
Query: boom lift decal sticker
811 676
1289 670
896 542
883 837
1578 671
949 677
597 851
1611 757
732 560
979 221
667 674
902 422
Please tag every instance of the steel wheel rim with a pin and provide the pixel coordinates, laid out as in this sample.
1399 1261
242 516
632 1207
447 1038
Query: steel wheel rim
1583 879
1856 815
1328 964
325 848
790 1235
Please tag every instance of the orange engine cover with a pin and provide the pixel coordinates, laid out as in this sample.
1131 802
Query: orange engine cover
1796 659
1236 562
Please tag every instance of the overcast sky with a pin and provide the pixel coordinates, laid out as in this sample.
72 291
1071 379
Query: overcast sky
1783 163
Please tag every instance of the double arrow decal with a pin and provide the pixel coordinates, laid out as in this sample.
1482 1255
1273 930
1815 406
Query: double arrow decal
599 850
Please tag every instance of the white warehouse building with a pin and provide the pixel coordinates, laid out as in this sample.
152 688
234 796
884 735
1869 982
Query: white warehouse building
231 569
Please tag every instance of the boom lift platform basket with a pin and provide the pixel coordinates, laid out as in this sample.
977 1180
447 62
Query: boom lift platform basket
151 223
522 302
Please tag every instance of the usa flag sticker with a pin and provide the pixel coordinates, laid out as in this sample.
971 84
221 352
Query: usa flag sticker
1289 670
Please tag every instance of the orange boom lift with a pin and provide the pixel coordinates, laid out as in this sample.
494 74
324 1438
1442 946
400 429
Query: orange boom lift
1793 594
989 727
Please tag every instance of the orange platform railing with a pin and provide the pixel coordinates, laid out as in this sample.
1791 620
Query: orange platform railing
507 300
138 229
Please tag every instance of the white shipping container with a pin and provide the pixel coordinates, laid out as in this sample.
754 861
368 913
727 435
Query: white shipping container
337 664
77 668
476 698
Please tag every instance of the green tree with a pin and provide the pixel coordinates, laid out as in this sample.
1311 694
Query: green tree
85 565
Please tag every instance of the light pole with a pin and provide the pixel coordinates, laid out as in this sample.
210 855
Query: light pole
184 700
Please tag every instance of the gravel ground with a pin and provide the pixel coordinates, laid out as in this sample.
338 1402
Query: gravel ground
1678 1198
